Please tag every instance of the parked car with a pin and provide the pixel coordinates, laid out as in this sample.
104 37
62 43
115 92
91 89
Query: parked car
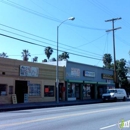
114 94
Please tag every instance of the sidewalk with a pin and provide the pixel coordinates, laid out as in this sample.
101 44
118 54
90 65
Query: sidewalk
23 106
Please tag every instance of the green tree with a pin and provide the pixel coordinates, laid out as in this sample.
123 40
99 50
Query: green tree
107 59
45 60
3 55
65 56
53 59
60 58
48 52
25 55
122 72
35 59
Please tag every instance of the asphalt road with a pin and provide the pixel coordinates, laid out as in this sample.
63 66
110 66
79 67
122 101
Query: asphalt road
103 116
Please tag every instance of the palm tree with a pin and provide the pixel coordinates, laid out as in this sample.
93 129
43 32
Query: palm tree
35 59
107 59
45 60
53 59
25 55
60 58
3 55
65 55
48 52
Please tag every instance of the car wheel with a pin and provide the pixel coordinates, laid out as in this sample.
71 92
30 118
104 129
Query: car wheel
124 99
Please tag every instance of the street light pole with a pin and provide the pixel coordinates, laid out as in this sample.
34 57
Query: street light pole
57 66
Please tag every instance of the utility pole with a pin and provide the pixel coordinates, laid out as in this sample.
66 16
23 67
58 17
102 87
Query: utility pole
113 30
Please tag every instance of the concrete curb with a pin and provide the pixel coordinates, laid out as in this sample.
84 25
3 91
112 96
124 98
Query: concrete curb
4 108
25 106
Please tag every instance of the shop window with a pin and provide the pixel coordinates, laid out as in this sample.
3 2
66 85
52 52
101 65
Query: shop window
87 91
10 89
34 89
48 91
71 90
3 89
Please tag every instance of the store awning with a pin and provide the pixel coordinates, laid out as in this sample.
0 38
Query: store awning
90 82
75 81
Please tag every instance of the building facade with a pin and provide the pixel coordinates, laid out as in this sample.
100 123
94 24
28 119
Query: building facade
86 81
28 82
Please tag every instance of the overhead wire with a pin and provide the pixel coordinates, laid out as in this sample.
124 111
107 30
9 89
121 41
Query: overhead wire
92 41
32 43
47 39
27 9
73 24
18 6
99 5
40 41
106 42
122 40
91 28
113 13
108 11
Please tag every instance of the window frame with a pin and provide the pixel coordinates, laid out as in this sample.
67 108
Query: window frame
49 94
4 85
33 91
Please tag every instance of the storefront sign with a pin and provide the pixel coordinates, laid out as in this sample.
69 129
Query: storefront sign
29 71
107 76
75 72
88 74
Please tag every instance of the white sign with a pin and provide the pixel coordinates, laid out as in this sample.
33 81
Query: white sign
29 71
75 72
89 74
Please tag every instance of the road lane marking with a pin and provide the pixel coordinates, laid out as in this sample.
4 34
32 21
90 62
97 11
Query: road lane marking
106 127
58 117
109 126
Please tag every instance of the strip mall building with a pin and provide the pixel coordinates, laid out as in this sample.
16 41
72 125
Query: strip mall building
35 82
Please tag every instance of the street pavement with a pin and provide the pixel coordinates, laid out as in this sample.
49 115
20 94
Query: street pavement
99 116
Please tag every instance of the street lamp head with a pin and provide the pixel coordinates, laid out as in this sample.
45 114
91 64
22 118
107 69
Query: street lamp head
71 18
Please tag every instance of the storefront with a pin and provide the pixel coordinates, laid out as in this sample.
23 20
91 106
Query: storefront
86 82
28 82
74 89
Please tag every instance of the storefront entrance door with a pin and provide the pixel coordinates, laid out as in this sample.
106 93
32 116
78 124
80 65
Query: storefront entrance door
21 88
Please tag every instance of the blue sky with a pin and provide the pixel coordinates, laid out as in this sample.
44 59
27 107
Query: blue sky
85 36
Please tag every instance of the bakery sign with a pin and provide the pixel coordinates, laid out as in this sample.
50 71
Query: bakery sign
29 71
88 73
107 76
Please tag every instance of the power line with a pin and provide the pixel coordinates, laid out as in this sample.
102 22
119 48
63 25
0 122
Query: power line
122 40
107 10
18 6
44 39
44 46
40 41
91 28
92 40
41 7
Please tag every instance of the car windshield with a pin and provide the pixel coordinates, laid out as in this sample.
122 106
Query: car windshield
111 91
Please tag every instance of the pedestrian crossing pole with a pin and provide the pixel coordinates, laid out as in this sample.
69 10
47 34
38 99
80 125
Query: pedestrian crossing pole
113 30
